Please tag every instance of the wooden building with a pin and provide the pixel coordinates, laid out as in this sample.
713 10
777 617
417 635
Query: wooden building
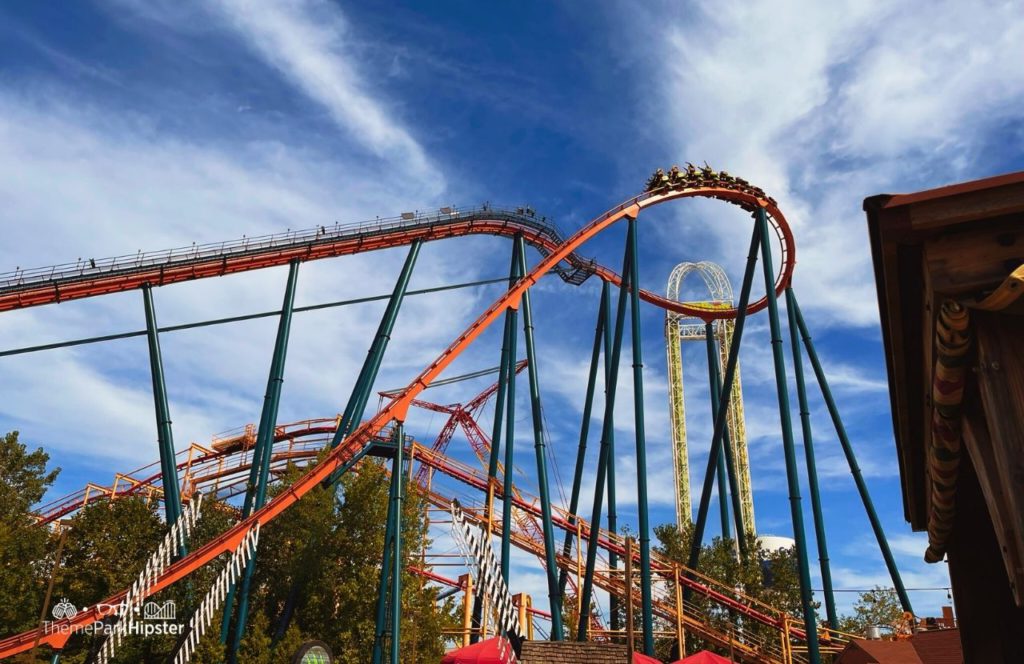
937 647
949 268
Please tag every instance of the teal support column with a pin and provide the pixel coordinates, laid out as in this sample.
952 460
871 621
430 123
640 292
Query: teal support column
812 470
646 601
397 478
503 371
723 406
512 315
356 405
392 534
723 494
371 365
613 517
581 452
726 462
851 459
554 597
604 460
164 436
56 657
504 367
788 445
259 470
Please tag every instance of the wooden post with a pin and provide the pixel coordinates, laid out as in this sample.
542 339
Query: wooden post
680 633
529 618
629 596
489 514
466 581
519 601
787 648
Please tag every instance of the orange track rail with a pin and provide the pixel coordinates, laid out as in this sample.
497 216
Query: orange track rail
20 290
397 408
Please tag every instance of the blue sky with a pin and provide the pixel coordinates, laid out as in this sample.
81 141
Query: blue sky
129 125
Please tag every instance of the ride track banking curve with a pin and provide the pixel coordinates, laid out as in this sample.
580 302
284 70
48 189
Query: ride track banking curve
40 288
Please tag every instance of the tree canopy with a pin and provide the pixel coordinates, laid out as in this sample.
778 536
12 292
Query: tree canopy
329 547
23 546
878 606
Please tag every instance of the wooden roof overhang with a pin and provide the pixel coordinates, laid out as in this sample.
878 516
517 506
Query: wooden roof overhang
958 241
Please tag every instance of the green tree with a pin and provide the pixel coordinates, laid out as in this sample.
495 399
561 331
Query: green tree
290 643
771 577
878 606
25 561
210 650
107 544
331 544
256 645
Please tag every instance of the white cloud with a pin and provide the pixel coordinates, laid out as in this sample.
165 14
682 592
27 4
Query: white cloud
87 181
824 104
309 42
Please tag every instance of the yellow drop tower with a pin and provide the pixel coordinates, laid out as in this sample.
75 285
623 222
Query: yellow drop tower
679 328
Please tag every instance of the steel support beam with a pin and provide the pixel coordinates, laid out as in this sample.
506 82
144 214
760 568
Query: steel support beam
259 470
397 479
581 452
647 602
164 435
391 558
604 461
554 597
723 406
237 319
812 469
727 464
723 493
504 367
353 413
788 444
510 428
613 517
851 459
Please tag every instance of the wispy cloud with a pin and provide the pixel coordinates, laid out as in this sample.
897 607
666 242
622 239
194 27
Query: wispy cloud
90 181
309 43
827 103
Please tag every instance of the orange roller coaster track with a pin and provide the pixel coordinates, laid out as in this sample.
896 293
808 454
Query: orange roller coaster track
89 278
36 288
223 471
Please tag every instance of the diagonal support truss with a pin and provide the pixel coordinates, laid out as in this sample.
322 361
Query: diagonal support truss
215 597
486 572
175 538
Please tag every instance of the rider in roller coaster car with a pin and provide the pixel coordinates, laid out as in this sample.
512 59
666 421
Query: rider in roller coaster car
695 176
656 181
675 176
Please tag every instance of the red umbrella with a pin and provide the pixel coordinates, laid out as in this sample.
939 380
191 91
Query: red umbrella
482 652
640 658
704 657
